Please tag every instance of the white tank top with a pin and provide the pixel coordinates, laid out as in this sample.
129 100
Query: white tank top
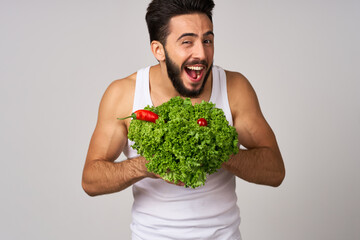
167 211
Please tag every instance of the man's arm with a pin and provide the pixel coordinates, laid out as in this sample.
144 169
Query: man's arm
101 174
261 163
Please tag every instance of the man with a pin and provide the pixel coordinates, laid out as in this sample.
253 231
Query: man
182 40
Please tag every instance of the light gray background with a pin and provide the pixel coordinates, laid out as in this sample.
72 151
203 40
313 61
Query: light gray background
58 57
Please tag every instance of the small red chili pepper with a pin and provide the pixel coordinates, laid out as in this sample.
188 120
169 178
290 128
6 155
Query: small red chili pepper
202 122
144 115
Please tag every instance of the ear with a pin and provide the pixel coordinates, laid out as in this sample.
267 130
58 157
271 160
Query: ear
158 50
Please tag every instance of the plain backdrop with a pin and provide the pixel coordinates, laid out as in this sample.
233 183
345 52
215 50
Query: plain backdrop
58 57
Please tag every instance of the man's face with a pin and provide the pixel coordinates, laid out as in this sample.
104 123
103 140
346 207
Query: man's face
189 53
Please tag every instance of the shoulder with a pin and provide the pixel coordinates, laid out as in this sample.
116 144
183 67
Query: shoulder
120 87
118 97
241 94
236 81
238 86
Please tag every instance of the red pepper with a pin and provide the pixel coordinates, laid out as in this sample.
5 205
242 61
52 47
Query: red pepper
202 122
144 115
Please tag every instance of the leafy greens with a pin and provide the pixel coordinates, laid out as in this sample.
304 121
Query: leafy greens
177 148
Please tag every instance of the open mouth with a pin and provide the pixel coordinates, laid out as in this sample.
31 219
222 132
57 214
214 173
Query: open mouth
195 72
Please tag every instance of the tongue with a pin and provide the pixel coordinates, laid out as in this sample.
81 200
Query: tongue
192 73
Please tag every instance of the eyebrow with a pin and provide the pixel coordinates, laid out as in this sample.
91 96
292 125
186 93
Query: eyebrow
195 35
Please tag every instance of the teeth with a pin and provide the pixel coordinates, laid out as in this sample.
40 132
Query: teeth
196 68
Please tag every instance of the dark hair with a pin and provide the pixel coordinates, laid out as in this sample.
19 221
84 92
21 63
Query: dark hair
159 13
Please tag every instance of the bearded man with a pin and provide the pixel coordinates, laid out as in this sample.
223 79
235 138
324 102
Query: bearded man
182 41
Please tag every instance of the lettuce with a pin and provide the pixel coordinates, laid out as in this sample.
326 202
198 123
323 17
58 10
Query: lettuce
177 148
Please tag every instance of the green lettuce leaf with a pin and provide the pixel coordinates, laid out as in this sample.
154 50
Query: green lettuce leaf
177 148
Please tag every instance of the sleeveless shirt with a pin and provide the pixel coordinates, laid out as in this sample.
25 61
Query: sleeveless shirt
163 211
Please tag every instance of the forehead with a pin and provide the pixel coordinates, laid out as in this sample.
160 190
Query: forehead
197 23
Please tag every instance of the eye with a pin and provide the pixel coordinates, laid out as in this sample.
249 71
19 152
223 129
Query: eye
208 41
186 42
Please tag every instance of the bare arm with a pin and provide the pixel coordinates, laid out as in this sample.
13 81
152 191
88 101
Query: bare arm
261 163
101 174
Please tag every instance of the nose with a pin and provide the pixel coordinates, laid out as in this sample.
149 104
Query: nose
199 51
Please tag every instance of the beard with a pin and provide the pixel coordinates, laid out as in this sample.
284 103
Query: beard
174 73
